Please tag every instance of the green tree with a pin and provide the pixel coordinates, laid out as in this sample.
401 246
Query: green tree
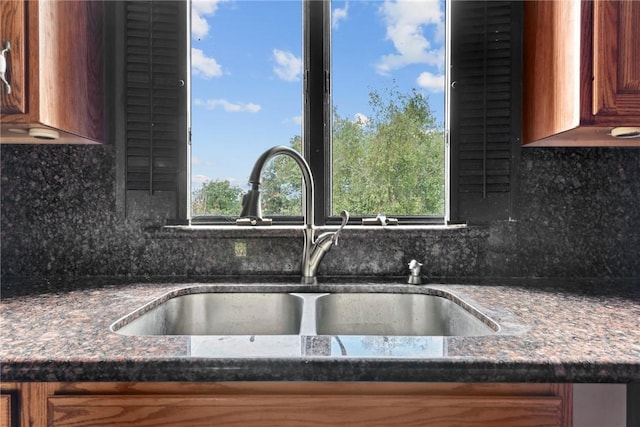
282 184
393 163
217 198
390 163
348 162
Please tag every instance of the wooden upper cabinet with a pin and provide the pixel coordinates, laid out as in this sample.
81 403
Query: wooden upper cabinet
581 73
616 62
55 70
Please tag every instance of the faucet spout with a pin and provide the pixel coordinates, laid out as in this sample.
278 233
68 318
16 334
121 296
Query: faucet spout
251 205
313 249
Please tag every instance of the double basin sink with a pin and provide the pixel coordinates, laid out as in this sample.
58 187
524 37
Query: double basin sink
219 310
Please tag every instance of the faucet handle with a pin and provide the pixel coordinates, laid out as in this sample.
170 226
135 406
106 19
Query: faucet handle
345 219
414 272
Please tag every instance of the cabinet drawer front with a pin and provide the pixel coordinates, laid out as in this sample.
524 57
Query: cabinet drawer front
302 410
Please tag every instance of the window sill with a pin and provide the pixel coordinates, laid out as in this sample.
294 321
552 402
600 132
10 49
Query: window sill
233 231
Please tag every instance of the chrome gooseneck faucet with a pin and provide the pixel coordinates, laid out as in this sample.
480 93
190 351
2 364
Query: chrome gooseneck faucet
314 248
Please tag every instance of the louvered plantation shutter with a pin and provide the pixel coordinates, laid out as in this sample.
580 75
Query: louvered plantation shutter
485 109
155 95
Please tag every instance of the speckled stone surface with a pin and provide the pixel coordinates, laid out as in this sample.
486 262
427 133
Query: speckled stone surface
562 331
577 216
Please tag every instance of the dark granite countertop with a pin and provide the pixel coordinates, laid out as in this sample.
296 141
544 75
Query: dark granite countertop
552 331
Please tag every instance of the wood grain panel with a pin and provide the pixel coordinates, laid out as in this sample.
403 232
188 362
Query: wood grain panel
13 29
270 410
311 388
551 68
616 60
290 403
629 50
5 410
589 43
71 67
33 404
62 85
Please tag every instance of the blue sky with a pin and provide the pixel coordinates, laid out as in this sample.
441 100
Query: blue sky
247 63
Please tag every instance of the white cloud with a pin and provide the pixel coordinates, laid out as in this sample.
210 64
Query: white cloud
405 22
197 161
237 182
202 65
338 15
296 120
199 24
229 107
361 119
431 82
199 179
288 66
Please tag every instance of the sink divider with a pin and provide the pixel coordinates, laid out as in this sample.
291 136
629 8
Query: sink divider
308 318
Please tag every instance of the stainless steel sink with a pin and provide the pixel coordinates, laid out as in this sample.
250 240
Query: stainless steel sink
209 313
335 310
395 314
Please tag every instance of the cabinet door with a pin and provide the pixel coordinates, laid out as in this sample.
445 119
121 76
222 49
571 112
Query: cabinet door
13 24
70 94
616 60
55 68
304 410
581 73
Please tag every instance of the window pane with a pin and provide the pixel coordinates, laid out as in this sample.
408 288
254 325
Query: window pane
388 65
246 97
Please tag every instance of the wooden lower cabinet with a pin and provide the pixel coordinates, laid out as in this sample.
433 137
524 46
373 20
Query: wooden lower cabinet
5 410
293 404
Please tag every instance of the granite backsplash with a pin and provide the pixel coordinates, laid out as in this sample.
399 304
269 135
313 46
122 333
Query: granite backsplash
579 216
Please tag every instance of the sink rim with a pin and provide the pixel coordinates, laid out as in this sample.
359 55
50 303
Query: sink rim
175 294
468 311
466 303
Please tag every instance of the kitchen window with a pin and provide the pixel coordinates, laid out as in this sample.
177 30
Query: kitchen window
484 109
366 87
